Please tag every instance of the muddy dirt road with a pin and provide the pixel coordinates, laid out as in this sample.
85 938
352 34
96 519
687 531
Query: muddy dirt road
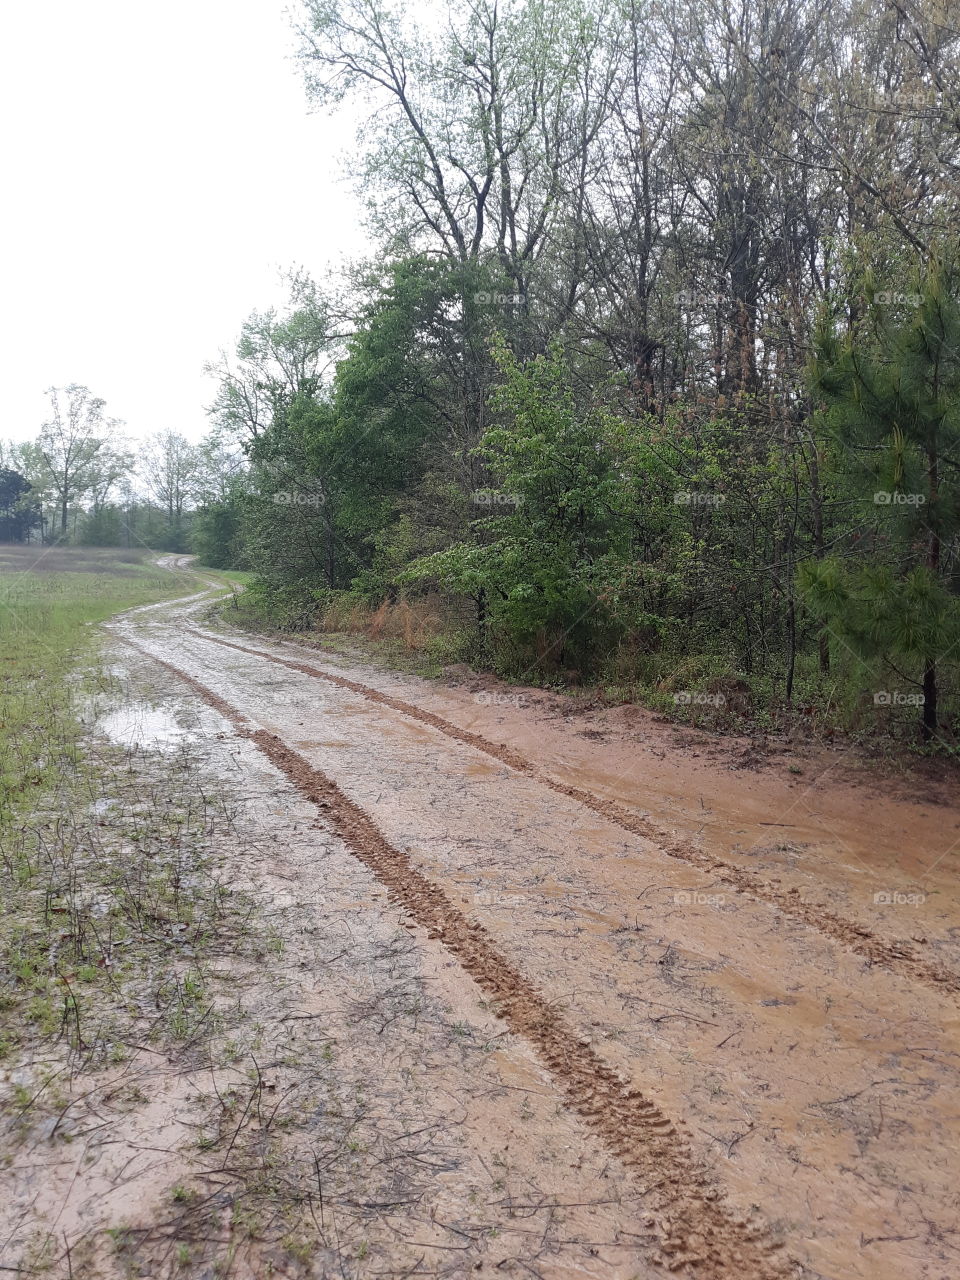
733 991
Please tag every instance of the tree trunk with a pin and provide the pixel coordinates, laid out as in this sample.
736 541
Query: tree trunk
933 562
929 700
791 647
330 556
816 504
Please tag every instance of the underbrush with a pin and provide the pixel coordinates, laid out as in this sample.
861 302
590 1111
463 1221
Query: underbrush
425 634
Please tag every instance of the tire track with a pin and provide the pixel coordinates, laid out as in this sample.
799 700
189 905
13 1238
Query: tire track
688 1225
898 958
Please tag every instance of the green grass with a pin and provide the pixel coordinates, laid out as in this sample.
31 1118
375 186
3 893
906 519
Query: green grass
62 861
121 931
50 601
243 576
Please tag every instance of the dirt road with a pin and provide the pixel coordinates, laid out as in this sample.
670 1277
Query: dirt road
732 990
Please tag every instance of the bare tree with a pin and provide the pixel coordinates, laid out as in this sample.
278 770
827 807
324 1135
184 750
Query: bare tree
170 467
71 441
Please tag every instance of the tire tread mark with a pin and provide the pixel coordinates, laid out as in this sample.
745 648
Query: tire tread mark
896 957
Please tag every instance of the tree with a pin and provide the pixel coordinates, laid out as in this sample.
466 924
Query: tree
560 537
220 466
70 441
215 536
891 391
110 464
19 507
278 358
645 207
170 466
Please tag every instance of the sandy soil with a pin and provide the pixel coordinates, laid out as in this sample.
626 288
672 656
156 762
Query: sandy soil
704 1039
360 1110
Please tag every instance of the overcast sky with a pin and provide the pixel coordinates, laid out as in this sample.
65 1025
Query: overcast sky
160 169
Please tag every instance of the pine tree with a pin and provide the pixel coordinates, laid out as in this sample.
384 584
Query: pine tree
890 388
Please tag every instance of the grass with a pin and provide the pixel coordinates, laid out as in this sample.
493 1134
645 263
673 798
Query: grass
131 933
121 930
82 836
243 576
56 862
50 600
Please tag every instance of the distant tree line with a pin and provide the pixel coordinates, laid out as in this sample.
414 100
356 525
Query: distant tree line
80 481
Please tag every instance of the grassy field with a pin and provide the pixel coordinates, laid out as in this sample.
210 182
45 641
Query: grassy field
50 599
121 935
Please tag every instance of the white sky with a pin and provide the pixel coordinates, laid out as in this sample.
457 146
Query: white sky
160 168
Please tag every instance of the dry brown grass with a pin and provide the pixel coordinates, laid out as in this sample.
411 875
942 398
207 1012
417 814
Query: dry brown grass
414 624
17 558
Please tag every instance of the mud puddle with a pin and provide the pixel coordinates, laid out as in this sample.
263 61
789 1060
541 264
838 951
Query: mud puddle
138 724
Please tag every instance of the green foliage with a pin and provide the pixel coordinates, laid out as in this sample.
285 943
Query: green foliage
215 535
19 508
103 528
666 551
348 485
891 389
881 614
544 567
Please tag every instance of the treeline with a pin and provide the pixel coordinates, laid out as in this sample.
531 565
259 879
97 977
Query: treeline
81 481
654 376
